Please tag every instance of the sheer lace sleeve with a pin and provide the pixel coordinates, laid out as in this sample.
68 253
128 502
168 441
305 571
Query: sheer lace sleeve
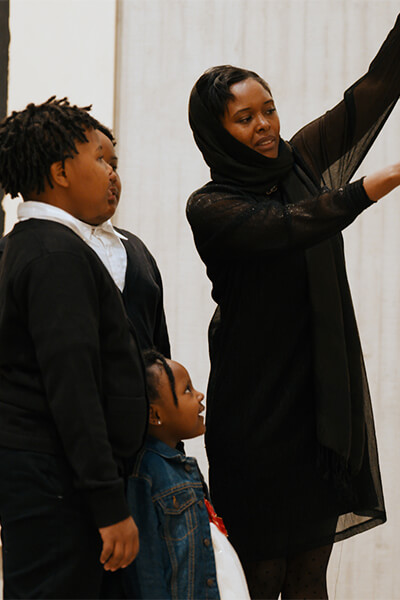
228 224
335 144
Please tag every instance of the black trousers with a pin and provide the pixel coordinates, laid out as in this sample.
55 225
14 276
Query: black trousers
51 546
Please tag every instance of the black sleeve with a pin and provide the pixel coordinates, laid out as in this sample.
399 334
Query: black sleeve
151 316
61 301
226 224
161 338
335 144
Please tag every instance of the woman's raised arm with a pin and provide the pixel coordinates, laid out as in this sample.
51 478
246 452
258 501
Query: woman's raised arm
334 145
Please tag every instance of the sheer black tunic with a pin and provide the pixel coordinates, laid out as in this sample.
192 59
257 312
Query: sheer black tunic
266 415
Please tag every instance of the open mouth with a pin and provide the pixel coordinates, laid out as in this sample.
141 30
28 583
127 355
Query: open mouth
265 142
112 194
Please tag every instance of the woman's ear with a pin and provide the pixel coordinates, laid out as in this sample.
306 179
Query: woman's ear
154 417
58 175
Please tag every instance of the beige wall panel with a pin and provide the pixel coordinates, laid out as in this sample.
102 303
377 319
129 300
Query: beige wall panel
309 51
62 48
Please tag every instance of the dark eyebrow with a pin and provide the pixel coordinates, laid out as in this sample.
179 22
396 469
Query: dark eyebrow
248 108
99 147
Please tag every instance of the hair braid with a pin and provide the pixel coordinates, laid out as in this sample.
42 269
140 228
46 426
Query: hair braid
151 358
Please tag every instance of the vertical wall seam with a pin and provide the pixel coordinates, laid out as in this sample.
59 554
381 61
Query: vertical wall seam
4 61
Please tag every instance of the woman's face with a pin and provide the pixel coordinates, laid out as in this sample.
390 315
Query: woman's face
251 117
111 158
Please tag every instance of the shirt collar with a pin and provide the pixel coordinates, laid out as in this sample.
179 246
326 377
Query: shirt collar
159 447
42 210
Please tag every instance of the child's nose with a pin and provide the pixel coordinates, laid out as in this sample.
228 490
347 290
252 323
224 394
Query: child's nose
111 173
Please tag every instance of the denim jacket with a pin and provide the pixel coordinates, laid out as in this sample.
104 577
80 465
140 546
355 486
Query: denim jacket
166 498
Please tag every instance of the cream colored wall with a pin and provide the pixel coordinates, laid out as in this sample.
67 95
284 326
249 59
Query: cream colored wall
62 48
309 51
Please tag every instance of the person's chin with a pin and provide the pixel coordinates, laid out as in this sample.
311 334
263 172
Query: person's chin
272 153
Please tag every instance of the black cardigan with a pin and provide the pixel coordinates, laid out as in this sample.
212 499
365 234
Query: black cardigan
71 375
143 296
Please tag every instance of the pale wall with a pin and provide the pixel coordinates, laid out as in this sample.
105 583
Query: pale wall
62 48
309 51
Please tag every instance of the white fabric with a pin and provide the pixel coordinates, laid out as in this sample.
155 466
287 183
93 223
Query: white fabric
103 239
230 577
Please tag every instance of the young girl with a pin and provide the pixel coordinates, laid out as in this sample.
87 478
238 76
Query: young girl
184 552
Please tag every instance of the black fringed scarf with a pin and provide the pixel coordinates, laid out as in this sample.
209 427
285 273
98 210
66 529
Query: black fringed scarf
339 378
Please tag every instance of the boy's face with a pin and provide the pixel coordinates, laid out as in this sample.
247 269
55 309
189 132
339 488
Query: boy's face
92 192
184 421
111 159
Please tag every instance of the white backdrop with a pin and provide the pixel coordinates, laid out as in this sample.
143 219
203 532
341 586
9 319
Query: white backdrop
309 51
62 48
140 67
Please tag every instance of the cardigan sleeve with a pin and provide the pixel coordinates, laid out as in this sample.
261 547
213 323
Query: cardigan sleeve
160 336
334 145
61 305
228 224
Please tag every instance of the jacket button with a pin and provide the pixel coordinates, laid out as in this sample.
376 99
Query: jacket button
206 542
210 582
188 468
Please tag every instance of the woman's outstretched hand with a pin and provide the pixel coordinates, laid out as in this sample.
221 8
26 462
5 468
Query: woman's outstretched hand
120 544
382 182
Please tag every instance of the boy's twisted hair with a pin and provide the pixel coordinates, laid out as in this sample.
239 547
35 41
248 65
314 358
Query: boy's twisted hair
31 140
107 132
151 358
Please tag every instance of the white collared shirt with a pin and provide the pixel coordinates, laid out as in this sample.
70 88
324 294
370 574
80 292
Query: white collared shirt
103 239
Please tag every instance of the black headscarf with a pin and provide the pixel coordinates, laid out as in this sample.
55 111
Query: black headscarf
229 160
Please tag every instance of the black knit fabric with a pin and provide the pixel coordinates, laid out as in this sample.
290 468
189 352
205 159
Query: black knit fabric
71 375
143 296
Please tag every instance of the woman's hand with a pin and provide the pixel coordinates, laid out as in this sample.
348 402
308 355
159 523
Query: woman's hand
120 544
382 182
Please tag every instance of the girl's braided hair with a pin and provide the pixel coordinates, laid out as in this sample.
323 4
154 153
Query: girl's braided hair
152 358
31 140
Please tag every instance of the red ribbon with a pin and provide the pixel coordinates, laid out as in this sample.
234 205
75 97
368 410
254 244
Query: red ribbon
214 518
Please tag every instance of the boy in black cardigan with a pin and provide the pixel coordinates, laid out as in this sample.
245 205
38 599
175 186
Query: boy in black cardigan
73 407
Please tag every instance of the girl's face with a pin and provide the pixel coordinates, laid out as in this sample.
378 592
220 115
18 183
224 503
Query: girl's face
178 422
251 117
111 158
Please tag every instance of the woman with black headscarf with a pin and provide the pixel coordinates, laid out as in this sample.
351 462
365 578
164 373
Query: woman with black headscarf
290 434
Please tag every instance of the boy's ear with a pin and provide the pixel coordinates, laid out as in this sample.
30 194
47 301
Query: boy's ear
58 174
154 417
